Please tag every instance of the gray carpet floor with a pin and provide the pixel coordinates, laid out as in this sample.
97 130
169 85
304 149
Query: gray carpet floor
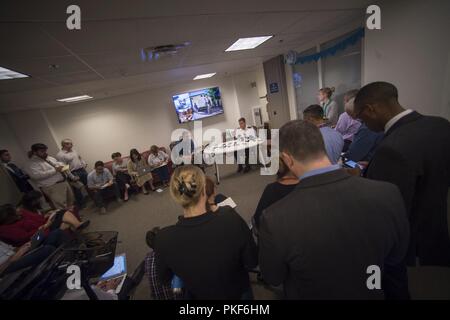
143 212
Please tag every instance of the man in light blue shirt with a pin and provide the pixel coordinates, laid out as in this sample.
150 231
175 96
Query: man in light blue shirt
334 143
102 185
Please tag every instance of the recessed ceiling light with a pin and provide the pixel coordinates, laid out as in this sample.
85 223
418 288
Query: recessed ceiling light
73 99
6 74
203 76
248 43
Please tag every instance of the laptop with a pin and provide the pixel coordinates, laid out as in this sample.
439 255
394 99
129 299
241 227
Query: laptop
114 278
143 171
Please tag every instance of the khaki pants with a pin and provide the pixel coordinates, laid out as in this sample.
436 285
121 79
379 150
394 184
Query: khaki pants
60 195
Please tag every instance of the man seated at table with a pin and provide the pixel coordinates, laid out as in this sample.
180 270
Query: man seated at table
158 160
101 183
244 133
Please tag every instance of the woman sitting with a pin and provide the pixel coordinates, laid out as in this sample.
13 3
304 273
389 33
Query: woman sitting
135 167
211 253
158 160
286 182
120 172
17 226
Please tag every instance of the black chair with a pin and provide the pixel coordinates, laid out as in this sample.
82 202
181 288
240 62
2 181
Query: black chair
132 282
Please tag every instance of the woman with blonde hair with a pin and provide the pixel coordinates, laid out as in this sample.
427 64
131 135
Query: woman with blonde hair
211 252
330 107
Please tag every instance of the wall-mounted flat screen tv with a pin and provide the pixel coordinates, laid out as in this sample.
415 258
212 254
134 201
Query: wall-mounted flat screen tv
198 104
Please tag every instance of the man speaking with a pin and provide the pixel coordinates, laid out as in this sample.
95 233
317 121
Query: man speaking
244 134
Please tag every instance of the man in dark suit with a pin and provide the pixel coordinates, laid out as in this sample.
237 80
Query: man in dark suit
19 177
321 240
415 156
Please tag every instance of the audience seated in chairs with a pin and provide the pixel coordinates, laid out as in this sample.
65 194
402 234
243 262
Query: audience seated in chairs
158 160
275 191
101 184
135 165
211 253
120 172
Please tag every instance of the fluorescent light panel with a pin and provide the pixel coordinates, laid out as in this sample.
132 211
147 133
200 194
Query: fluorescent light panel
6 74
248 43
73 99
203 76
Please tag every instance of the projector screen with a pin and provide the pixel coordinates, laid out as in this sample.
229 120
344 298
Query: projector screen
198 104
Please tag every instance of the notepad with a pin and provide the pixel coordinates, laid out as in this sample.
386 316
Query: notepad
227 202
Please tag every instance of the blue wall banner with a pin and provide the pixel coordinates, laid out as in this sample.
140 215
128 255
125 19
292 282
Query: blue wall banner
292 57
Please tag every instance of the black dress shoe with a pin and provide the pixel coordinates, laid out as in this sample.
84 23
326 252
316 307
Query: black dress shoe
83 225
247 169
239 168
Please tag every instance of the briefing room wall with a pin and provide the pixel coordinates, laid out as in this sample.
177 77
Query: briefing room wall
137 120
10 142
29 127
247 93
409 43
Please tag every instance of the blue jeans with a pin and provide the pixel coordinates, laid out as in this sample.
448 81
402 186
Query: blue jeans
31 259
102 194
162 173
79 198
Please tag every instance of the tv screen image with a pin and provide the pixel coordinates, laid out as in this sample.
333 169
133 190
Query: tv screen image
198 104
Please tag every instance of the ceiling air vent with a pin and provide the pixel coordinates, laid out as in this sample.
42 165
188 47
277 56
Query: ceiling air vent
158 52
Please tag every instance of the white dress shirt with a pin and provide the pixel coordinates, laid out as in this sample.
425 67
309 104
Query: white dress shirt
159 159
72 158
43 173
391 122
245 133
